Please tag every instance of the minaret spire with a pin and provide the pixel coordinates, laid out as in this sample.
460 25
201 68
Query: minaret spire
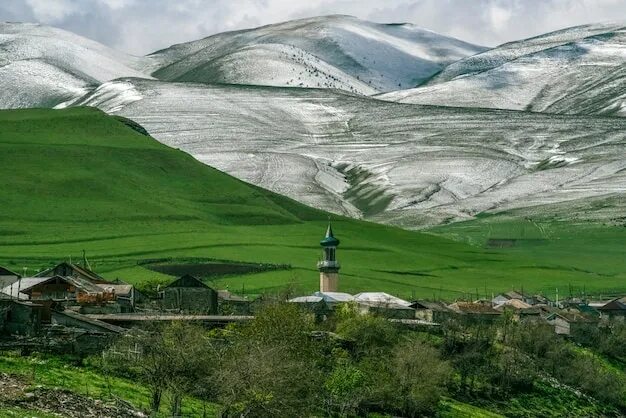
329 266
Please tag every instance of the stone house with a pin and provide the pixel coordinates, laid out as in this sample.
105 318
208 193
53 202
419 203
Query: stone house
431 311
190 295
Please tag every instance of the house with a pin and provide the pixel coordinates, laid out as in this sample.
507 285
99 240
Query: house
7 277
387 310
615 308
515 295
560 323
384 304
431 311
189 294
229 303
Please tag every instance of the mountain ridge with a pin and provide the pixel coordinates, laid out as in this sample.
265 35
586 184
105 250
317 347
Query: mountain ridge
577 70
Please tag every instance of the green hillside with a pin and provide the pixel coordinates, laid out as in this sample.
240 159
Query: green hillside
78 179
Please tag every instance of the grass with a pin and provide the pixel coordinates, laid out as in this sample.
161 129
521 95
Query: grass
79 179
450 408
55 372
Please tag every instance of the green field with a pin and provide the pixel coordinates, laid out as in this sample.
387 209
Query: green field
78 179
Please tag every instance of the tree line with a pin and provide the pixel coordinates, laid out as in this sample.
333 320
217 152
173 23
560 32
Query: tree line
285 363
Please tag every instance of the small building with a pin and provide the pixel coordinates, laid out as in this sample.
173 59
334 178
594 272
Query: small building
431 311
615 308
20 317
7 277
189 294
16 290
232 304
560 323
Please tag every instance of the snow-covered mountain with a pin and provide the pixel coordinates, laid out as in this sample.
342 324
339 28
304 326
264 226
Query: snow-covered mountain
336 51
404 164
580 70
42 66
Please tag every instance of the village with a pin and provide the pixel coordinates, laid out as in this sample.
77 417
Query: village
70 308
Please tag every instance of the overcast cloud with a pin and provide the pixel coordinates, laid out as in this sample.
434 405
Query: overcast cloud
143 26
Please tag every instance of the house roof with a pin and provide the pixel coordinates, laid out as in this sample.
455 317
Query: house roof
78 282
307 299
473 308
433 306
381 298
104 326
617 304
6 272
86 273
16 290
187 281
375 304
514 304
334 296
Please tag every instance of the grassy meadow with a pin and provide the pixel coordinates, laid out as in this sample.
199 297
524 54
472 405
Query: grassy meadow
78 179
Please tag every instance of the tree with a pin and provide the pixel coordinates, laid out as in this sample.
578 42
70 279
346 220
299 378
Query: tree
272 366
169 359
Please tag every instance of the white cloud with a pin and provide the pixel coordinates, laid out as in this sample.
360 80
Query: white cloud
52 10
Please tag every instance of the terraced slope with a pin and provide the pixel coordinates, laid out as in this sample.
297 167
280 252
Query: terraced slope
41 66
401 164
339 52
580 70
78 179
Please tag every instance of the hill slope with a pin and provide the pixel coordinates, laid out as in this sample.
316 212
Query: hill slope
78 179
328 52
41 66
402 164
574 71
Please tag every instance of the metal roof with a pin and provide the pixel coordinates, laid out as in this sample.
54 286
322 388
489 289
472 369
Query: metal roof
306 299
334 296
380 298
16 289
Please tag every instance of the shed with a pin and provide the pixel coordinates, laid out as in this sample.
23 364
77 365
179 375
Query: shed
7 277
189 294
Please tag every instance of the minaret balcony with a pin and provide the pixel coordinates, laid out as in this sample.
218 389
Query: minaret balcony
328 264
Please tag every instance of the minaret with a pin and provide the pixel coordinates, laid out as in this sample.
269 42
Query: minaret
329 266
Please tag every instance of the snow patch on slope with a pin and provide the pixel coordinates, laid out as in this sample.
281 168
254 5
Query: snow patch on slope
400 164
360 56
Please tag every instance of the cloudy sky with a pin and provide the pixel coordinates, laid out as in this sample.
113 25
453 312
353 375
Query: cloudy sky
143 26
